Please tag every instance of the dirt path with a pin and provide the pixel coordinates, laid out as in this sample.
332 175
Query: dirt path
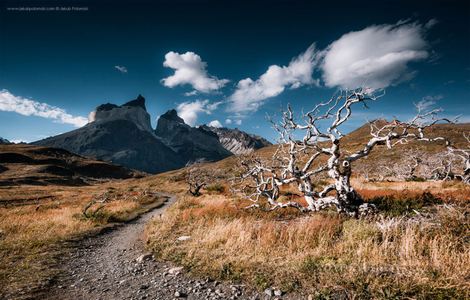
107 267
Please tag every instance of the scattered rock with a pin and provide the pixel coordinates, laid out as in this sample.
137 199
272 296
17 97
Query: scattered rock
179 294
175 270
183 238
143 257
277 292
269 292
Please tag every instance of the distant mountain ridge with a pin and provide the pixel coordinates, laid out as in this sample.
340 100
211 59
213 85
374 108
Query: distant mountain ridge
237 141
122 134
4 141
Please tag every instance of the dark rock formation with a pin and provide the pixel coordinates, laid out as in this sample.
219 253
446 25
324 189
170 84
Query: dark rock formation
191 144
122 135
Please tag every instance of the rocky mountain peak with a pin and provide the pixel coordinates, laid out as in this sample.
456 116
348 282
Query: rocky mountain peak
237 141
4 141
133 111
106 107
138 102
190 143
172 115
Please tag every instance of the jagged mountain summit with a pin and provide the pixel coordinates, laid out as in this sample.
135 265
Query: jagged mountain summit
237 141
191 144
134 111
122 134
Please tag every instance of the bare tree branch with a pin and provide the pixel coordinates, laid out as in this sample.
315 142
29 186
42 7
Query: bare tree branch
300 160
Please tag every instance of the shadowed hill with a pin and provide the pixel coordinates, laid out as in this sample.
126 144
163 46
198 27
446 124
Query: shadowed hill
36 165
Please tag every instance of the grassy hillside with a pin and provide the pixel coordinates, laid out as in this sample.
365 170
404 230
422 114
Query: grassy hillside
417 247
39 223
36 165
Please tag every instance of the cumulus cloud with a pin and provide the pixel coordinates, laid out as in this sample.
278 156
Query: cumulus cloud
190 69
215 123
228 121
238 122
427 102
19 141
29 107
377 56
121 69
189 111
192 93
250 94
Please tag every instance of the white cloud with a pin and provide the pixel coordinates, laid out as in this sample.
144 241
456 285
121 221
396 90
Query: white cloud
190 69
20 141
215 124
189 111
228 121
192 93
29 107
249 94
121 69
377 56
238 122
427 102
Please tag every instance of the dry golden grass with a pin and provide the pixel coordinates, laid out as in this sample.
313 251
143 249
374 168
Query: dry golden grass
323 253
32 236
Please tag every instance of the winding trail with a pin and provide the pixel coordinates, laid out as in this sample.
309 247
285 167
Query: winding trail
107 267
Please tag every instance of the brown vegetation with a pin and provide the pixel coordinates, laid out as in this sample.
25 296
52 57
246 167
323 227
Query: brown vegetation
35 165
37 224
417 248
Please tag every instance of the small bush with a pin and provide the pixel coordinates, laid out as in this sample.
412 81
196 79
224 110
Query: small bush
178 177
416 179
262 281
392 206
215 188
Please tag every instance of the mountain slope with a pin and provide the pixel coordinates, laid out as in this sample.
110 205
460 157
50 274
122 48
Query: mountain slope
122 135
381 159
4 141
27 164
237 141
190 143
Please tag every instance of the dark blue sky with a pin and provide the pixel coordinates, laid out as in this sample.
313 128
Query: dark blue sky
67 59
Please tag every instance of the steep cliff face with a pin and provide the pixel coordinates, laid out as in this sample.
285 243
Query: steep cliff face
191 144
237 141
133 111
122 135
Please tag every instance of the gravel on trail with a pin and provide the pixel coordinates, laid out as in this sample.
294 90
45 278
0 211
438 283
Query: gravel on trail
114 265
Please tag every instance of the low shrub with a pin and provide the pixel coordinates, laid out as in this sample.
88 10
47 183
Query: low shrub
215 188
392 205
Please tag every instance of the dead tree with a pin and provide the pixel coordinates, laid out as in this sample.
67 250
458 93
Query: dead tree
89 212
196 179
439 167
299 161
464 155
